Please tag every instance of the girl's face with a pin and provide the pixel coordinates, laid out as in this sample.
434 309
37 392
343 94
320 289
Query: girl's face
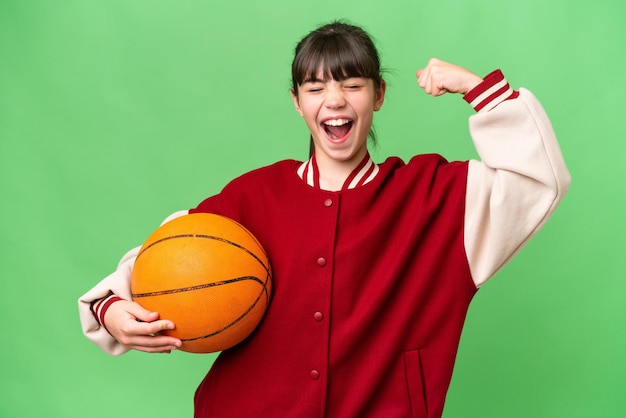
339 115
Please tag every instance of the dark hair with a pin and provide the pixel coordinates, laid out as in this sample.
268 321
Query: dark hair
343 51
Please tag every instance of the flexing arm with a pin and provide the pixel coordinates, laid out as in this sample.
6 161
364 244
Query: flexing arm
521 177
517 185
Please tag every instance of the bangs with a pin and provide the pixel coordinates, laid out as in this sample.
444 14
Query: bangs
338 56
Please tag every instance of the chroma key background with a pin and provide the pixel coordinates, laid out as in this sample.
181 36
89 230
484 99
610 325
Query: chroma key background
114 114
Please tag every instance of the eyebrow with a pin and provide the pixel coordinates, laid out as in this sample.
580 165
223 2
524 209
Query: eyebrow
317 80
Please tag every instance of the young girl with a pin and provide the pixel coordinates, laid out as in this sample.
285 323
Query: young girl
374 264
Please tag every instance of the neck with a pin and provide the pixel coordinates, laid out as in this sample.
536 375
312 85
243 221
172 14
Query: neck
362 174
333 173
332 181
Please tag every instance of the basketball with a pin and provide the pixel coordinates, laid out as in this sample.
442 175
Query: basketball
207 274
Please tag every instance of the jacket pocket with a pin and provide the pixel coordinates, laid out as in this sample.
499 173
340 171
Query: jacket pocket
415 383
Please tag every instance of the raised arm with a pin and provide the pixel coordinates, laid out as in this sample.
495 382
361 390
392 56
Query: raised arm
517 185
521 176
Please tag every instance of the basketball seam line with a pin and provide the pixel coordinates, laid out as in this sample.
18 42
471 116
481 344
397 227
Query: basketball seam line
197 287
207 237
243 315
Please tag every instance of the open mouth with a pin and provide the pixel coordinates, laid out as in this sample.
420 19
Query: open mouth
337 129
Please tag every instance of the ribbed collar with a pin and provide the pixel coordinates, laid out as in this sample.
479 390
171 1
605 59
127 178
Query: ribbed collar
365 172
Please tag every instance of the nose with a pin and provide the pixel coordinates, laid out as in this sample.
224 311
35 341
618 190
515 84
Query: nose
334 99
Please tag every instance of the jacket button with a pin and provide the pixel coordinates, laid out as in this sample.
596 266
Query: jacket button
318 316
321 261
315 374
328 202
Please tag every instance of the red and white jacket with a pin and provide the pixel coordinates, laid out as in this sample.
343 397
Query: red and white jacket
372 283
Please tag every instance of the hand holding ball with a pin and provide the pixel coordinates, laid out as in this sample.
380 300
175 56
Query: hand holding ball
207 274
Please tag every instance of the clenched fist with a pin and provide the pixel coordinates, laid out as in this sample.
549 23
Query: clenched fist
439 77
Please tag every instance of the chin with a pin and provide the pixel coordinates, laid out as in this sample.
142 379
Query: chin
343 155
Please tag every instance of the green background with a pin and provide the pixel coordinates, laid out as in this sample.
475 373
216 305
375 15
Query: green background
115 113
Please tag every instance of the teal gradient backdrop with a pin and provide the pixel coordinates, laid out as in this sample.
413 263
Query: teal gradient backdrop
115 113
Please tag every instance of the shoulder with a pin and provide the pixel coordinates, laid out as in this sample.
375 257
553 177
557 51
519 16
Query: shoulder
269 175
425 177
247 186
423 165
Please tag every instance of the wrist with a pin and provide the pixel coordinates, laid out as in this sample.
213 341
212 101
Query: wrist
99 308
490 92
473 83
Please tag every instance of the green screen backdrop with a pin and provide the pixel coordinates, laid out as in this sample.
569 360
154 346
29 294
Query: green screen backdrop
113 114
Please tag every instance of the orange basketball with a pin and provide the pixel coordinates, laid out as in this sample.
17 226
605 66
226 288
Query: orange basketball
207 274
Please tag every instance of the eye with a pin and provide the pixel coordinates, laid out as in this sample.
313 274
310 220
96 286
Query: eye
313 87
354 83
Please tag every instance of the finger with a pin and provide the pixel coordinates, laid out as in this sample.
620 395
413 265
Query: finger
151 343
150 328
166 349
422 77
154 343
434 76
141 313
134 328
435 84
438 89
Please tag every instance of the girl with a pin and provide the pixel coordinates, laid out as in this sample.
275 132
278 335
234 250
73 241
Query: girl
374 264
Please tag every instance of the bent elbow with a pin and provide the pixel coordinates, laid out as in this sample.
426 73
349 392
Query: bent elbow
561 184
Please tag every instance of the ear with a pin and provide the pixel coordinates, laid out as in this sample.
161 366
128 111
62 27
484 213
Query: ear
296 102
380 96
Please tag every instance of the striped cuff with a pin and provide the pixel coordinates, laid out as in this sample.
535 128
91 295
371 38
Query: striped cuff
99 307
491 92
